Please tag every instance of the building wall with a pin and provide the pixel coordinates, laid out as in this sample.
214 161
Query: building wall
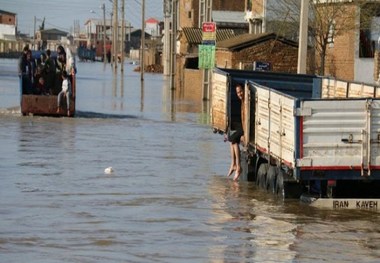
192 85
224 5
376 73
7 19
223 59
188 13
340 57
189 10
5 30
283 57
256 6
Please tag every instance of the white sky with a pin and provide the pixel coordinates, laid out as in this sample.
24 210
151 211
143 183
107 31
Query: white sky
61 14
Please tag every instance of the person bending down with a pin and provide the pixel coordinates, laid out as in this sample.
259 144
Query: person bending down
65 92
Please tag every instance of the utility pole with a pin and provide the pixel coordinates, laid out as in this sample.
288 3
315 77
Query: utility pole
112 41
142 40
302 46
166 62
173 45
104 33
34 34
116 33
122 35
206 6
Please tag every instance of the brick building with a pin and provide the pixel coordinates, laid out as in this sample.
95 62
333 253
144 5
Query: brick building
351 55
242 51
7 25
189 15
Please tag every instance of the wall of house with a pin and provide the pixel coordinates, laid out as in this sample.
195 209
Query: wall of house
223 59
7 19
340 57
256 6
7 30
224 5
192 85
364 69
188 13
376 71
188 81
283 57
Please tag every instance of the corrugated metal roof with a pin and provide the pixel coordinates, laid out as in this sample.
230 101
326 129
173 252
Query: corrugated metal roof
194 35
228 17
246 40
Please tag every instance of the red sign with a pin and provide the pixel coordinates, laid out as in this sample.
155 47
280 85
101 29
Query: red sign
208 27
208 33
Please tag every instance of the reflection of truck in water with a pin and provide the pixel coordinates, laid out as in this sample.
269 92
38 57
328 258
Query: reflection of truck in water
306 136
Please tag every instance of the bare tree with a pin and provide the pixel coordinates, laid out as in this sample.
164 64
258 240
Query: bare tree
328 19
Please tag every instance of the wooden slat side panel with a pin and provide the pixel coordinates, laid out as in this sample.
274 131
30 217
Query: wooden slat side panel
219 114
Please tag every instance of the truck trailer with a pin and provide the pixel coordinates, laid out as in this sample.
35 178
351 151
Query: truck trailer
305 136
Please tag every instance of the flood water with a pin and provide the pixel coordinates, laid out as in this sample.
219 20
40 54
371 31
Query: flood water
168 199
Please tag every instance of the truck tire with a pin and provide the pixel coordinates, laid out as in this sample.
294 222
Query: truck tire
271 179
280 185
262 175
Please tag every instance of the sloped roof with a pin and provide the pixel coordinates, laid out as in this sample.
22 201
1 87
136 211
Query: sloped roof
152 21
7 13
54 31
194 35
247 40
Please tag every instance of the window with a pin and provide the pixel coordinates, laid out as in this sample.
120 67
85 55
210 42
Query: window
369 30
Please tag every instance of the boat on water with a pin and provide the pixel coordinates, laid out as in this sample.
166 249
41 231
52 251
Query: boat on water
45 103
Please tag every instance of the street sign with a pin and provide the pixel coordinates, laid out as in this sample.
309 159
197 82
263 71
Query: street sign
261 66
208 32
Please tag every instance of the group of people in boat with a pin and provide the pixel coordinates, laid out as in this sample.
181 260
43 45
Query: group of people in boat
48 74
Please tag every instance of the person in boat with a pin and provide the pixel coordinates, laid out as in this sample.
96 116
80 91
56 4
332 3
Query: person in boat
28 73
60 63
65 93
61 59
234 136
41 87
49 71
22 61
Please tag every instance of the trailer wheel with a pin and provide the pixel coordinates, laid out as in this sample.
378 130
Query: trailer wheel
262 175
280 185
271 179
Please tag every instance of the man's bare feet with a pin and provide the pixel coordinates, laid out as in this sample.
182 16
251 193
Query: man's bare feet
68 113
232 169
237 175
58 110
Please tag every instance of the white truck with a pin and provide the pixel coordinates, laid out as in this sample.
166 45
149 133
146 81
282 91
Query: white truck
305 136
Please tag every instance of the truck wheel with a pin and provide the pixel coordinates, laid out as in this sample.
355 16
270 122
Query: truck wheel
280 185
262 175
271 179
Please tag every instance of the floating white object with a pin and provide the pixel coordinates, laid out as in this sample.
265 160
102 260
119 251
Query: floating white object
108 170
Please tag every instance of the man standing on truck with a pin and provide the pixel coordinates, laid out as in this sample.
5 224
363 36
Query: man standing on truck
234 136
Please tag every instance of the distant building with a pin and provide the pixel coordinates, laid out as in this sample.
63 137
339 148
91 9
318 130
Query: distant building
7 25
152 27
241 52
50 34
230 20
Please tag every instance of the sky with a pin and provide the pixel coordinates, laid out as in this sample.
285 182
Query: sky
61 14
